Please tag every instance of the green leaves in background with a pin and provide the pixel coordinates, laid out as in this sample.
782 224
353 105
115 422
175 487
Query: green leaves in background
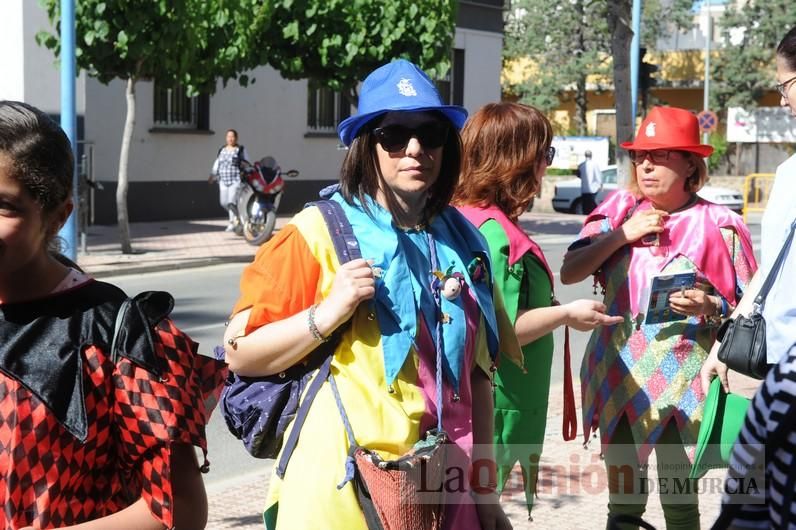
188 42
569 41
336 43
744 68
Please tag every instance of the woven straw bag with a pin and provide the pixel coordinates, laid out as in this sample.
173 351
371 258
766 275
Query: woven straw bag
407 493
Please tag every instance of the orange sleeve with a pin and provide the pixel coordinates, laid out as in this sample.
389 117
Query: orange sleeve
282 280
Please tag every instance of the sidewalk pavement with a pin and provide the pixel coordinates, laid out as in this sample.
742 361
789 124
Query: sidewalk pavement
164 245
169 245
571 494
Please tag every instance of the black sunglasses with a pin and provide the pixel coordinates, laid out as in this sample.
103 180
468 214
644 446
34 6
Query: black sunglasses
394 138
658 156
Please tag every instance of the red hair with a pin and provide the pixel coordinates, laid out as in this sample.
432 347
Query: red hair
504 144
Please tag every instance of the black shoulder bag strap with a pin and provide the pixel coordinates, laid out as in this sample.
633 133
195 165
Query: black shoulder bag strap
780 434
760 299
347 248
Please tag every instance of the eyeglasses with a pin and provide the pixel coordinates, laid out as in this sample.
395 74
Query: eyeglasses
783 88
550 155
657 157
394 138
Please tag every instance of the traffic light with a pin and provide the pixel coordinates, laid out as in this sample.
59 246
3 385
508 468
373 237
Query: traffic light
645 79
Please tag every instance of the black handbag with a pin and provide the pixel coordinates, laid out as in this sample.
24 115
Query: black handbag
258 410
743 339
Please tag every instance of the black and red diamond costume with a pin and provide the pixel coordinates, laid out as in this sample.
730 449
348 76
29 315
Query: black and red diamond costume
94 387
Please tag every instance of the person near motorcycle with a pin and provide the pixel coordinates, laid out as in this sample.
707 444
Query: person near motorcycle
226 170
258 200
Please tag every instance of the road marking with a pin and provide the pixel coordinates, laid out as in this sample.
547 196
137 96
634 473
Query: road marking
203 328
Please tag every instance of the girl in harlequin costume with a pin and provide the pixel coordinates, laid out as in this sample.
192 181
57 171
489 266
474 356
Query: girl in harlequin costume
640 381
421 290
97 426
495 188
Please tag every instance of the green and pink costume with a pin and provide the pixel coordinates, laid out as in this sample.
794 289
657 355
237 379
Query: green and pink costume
526 282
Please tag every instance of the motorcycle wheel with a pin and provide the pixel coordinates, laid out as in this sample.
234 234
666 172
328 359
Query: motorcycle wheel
258 233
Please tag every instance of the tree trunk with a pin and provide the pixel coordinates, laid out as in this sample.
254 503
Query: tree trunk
122 218
580 84
619 22
581 105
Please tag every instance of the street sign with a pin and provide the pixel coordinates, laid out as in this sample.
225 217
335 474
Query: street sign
708 121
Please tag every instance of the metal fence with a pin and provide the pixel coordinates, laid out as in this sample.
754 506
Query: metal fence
756 189
86 185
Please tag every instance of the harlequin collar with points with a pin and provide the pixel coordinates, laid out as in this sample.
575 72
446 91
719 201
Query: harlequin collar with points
403 259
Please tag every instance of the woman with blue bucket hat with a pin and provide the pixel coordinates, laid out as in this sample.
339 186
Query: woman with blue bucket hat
400 434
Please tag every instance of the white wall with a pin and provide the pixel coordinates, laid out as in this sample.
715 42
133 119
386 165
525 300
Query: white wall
269 115
482 64
30 72
12 60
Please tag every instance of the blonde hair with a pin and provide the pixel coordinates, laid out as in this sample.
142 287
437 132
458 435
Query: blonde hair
693 183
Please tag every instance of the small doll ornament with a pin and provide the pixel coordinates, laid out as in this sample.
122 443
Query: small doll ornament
452 288
449 283
477 269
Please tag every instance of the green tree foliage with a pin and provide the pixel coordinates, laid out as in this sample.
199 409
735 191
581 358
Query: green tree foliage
571 40
566 40
336 43
744 68
188 42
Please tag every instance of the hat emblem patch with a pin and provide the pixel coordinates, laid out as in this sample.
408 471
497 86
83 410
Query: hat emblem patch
405 87
650 130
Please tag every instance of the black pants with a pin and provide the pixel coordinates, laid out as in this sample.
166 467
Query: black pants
587 200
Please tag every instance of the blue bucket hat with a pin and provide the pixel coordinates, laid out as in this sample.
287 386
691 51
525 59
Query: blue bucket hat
397 86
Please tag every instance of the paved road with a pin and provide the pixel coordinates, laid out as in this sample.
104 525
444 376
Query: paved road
204 296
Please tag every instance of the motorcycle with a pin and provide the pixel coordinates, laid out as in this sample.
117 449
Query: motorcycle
258 199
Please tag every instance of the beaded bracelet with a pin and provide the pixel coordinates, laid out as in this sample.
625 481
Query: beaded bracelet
313 327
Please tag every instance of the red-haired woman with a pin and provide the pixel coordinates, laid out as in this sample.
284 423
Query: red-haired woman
495 188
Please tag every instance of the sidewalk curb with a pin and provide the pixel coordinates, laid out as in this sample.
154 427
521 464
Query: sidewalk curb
176 265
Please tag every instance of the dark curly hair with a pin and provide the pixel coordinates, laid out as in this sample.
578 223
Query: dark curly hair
39 152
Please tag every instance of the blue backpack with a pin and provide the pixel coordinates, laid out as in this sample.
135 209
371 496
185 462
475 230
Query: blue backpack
258 410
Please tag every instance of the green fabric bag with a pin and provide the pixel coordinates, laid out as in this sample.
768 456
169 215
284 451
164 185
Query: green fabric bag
721 423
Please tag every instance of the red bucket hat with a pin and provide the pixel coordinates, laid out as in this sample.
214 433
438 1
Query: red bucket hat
669 128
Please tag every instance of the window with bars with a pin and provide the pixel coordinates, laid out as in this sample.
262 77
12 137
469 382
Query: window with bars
175 109
325 109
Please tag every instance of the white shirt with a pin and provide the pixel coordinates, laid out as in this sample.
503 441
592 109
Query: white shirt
780 306
591 177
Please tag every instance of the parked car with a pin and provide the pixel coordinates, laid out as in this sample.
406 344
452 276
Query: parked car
566 198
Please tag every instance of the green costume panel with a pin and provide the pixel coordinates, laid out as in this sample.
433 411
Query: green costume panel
520 398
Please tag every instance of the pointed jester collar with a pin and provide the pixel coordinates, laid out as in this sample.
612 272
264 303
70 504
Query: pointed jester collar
404 288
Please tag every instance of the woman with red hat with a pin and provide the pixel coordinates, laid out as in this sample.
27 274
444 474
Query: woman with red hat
640 379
